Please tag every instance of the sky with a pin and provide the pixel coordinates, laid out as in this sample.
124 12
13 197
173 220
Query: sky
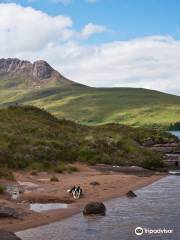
100 43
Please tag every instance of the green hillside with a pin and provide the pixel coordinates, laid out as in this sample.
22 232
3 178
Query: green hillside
31 137
137 107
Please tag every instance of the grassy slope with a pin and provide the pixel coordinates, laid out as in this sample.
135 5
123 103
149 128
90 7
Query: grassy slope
31 137
96 106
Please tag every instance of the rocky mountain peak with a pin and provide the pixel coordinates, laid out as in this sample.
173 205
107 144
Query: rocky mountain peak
37 74
42 69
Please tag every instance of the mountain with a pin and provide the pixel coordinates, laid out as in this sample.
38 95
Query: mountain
17 73
40 85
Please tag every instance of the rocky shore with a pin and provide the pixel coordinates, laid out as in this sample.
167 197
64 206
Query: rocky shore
171 153
98 186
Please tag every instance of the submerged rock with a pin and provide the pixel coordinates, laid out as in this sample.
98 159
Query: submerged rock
94 208
4 235
131 194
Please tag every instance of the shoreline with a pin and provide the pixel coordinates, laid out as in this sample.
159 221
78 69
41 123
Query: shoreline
114 185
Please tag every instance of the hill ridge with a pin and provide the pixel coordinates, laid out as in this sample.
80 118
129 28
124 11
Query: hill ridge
42 86
22 73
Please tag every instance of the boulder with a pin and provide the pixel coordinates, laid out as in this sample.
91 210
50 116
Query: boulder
94 208
8 212
4 235
131 194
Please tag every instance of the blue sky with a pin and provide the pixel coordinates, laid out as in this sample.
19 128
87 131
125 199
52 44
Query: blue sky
101 43
125 18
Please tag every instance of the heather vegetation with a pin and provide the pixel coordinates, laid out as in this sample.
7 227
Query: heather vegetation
32 138
2 189
6 173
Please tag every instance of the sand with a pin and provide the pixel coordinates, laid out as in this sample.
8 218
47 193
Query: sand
40 189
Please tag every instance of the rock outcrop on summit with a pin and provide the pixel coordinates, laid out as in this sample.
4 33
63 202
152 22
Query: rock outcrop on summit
18 73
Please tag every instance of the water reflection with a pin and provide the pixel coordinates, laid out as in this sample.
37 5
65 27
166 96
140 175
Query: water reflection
40 207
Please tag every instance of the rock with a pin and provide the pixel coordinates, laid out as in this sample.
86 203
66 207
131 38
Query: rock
94 183
4 235
169 148
29 74
148 142
8 212
131 194
95 208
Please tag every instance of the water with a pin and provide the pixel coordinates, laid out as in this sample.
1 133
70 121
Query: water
39 207
176 133
157 206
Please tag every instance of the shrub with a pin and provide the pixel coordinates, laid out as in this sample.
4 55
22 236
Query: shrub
2 189
34 173
54 179
40 166
71 169
6 174
151 160
65 168
60 168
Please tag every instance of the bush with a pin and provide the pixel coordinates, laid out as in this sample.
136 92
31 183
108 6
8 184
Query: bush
65 168
34 173
6 174
2 189
60 168
151 160
40 166
71 169
54 179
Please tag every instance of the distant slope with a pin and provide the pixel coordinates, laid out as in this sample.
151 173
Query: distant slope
137 107
40 85
32 137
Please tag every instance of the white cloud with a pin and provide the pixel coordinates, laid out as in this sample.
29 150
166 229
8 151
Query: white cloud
91 29
150 62
26 28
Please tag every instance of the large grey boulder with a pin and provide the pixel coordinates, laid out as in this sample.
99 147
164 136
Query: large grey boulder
4 235
94 208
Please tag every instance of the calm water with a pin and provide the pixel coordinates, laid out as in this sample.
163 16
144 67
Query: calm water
157 206
176 133
39 207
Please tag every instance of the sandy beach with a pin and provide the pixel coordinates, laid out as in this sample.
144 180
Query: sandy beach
40 189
